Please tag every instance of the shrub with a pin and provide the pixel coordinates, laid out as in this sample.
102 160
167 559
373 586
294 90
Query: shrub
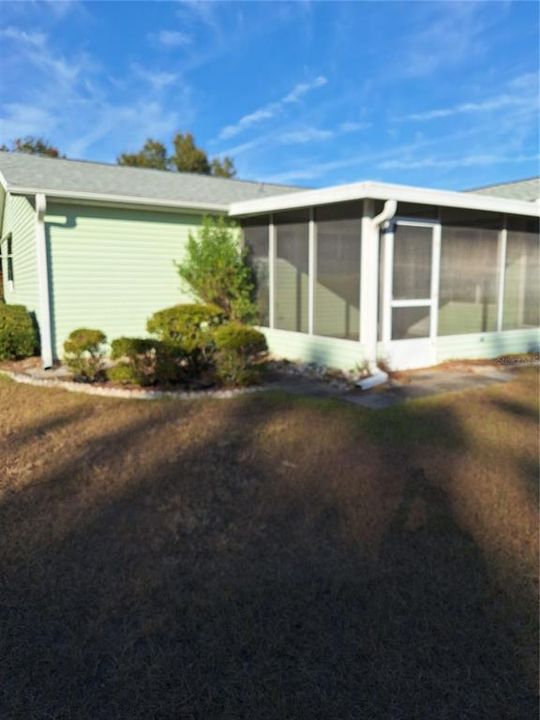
187 328
18 337
237 349
83 353
216 269
144 361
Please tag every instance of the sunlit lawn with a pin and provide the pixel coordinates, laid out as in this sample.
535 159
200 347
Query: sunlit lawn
268 557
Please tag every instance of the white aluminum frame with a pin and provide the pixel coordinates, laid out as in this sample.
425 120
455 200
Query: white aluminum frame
501 268
390 345
312 269
271 271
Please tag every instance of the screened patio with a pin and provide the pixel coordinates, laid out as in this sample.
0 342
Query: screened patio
446 281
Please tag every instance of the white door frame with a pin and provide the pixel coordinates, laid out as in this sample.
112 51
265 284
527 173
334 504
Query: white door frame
415 352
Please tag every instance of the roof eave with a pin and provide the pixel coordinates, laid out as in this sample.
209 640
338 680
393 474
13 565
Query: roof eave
383 191
126 200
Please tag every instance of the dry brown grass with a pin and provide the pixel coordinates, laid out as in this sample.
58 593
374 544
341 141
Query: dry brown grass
269 557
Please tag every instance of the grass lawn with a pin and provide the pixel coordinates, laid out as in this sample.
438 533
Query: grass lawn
268 557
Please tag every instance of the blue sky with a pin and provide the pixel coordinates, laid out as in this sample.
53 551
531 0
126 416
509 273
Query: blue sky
440 94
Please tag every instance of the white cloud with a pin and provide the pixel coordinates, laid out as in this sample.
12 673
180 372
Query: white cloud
304 136
495 103
19 119
521 92
272 109
451 163
302 88
158 79
350 127
172 38
36 39
72 101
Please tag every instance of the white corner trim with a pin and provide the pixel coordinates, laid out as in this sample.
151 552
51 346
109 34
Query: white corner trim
43 283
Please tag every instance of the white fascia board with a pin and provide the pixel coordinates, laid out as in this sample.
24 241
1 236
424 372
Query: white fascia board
126 200
384 191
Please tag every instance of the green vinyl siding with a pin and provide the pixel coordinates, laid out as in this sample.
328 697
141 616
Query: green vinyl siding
487 345
112 268
20 220
331 352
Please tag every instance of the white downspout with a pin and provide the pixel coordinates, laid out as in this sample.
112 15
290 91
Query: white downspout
370 296
43 283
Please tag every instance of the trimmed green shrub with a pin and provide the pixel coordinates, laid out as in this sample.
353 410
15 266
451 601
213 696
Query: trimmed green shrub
188 328
18 337
138 357
83 353
145 361
238 347
124 373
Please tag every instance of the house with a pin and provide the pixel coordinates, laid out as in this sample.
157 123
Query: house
347 275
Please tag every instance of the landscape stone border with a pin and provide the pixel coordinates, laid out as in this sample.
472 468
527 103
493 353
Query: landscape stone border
137 394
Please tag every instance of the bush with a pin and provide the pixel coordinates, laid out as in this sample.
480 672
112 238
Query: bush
187 329
216 269
83 353
144 362
18 337
237 349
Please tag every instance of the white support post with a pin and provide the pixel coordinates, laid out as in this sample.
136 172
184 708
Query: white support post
435 282
271 271
312 270
369 282
388 269
43 283
501 263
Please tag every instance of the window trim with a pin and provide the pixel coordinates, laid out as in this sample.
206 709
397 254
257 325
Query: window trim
6 246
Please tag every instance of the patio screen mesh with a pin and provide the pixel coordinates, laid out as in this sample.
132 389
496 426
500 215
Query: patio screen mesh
291 271
522 277
337 279
468 280
256 240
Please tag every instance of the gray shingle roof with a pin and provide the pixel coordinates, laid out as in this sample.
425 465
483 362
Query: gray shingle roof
528 190
53 175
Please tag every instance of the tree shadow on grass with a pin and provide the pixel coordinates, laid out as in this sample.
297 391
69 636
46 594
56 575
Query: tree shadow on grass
277 564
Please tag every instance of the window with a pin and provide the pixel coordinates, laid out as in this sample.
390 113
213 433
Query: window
7 257
522 275
256 240
291 271
337 280
469 272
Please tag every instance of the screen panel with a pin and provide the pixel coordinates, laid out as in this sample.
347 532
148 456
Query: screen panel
521 308
291 292
413 247
337 280
256 241
468 280
411 322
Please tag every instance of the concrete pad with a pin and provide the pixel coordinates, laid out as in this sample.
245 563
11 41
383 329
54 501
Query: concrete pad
425 385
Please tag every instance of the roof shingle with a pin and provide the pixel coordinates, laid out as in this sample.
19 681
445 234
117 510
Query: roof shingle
54 175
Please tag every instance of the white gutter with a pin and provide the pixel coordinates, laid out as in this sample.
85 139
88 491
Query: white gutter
109 199
371 295
43 283
382 191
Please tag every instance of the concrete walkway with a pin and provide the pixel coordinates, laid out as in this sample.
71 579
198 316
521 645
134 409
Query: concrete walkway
415 385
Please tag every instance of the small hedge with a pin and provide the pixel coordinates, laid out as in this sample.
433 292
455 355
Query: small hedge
18 337
188 328
84 355
238 348
144 361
